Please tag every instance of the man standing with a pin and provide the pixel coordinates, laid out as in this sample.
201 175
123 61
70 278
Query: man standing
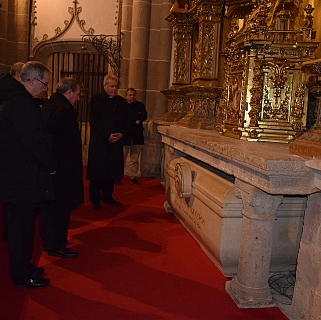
15 73
25 167
108 112
61 120
134 139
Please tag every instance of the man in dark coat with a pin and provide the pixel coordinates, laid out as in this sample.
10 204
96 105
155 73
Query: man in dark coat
133 141
61 120
25 167
108 112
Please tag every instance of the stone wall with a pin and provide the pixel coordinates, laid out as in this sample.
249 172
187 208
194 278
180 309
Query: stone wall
307 291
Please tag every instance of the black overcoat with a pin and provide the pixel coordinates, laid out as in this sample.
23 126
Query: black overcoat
25 156
107 115
61 120
135 132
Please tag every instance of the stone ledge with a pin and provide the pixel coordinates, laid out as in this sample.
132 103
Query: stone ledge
268 166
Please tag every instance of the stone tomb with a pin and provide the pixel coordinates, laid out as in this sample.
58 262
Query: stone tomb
206 203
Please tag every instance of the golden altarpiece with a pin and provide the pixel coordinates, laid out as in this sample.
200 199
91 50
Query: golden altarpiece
262 96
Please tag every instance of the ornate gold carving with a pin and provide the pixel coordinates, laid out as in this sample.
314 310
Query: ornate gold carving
177 106
268 48
182 37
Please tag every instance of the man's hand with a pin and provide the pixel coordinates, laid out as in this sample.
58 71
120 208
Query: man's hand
114 137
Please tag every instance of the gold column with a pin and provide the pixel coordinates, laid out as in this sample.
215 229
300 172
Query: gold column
182 54
206 50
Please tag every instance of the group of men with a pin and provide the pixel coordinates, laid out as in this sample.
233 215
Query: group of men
41 161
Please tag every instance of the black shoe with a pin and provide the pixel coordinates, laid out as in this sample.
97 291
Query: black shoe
33 283
97 207
117 182
134 181
112 202
37 272
64 253
40 271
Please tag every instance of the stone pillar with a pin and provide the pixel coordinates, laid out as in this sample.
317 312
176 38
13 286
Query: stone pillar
250 289
139 49
14 33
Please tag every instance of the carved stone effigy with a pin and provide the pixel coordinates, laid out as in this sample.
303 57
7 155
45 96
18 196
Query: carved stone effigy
264 98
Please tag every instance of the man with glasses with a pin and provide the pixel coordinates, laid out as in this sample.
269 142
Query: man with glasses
26 166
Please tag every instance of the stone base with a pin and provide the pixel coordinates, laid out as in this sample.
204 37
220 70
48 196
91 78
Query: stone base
246 297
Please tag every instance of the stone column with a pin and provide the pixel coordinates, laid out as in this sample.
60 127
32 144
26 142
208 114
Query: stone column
139 48
14 33
250 289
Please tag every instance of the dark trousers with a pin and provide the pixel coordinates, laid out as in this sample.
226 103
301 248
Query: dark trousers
54 224
100 189
21 222
5 221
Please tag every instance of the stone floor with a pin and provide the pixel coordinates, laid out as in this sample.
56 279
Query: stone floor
282 287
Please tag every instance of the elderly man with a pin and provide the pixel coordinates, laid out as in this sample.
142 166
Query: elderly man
61 120
25 167
108 115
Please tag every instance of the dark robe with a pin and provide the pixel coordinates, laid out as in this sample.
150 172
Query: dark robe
25 157
135 132
107 115
61 120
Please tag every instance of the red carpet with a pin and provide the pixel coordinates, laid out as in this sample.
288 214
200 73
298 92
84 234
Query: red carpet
136 262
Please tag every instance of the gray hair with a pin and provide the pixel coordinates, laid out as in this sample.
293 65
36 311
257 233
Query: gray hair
66 84
33 69
16 67
109 77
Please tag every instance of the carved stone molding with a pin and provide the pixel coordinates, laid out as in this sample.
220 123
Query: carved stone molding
183 179
74 15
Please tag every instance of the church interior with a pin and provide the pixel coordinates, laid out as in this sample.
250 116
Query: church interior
233 94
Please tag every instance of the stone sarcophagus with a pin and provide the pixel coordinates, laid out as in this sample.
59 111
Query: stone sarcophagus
206 203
